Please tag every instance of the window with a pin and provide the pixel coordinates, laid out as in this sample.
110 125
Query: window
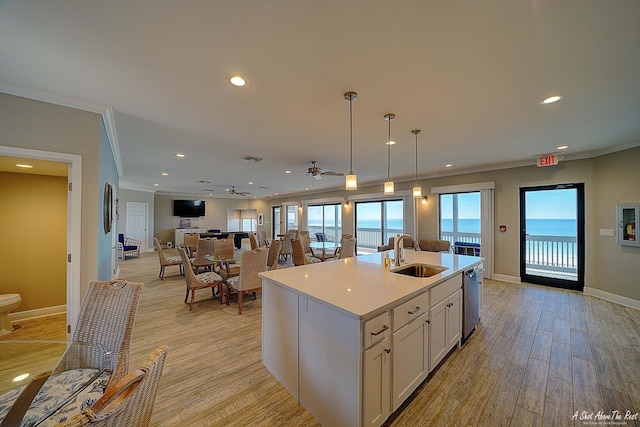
276 221
376 222
292 217
460 217
325 220
248 225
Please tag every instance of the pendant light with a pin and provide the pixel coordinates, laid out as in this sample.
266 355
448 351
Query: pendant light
388 186
351 180
417 190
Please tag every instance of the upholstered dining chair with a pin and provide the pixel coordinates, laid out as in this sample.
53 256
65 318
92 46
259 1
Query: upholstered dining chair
166 261
130 401
263 240
346 250
299 256
248 281
106 318
254 242
194 281
204 247
274 253
303 235
225 249
286 250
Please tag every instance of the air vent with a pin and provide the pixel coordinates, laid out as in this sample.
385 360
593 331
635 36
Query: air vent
252 159
263 187
204 182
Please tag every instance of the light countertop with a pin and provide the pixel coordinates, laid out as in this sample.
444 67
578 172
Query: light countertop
361 286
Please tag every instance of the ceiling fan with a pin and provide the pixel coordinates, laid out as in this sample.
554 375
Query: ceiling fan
317 173
233 191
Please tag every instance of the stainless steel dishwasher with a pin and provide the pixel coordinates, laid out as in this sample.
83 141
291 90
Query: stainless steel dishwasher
471 302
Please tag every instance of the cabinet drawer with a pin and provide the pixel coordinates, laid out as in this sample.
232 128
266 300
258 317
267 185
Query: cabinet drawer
406 312
376 329
446 288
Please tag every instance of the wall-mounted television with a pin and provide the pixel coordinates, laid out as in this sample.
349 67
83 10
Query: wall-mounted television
188 208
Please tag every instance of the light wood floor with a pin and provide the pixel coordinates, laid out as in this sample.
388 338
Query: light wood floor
539 356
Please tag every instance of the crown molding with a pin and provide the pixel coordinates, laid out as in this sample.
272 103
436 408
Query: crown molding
52 98
112 135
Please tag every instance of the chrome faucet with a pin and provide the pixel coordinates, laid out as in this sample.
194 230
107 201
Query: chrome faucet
398 247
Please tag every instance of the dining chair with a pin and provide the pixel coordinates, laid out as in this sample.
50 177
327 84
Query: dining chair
286 250
225 249
274 252
129 402
106 318
303 235
346 249
254 242
191 243
204 247
194 281
299 257
248 281
263 240
166 261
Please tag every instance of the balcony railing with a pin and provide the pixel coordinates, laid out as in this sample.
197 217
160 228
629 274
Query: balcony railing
554 256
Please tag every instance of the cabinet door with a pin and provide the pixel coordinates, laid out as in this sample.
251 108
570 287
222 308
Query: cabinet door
438 333
454 319
410 358
377 373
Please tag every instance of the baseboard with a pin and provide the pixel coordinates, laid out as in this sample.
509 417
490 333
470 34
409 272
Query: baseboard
608 296
505 278
37 313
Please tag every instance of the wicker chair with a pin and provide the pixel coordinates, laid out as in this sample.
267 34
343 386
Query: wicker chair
128 247
252 263
274 252
299 257
106 318
194 282
166 261
191 243
205 247
129 402
254 242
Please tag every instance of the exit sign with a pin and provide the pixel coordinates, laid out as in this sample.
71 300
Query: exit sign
548 160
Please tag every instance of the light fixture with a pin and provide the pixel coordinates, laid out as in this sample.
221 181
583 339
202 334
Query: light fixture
417 190
388 186
448 165
552 99
351 180
179 155
237 81
563 147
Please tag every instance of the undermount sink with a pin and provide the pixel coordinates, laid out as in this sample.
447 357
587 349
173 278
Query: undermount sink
419 270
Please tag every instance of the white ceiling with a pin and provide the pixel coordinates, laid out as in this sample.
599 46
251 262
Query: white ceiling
470 74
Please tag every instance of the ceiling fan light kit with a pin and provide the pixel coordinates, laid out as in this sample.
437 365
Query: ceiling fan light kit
389 186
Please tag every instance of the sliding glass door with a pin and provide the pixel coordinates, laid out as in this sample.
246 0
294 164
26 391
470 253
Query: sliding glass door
376 221
460 219
325 220
552 235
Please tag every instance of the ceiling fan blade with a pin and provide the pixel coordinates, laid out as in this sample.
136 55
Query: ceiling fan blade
333 173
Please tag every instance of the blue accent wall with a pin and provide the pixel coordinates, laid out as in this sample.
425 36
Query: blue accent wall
107 173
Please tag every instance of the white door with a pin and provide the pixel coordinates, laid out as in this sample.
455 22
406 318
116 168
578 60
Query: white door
136 224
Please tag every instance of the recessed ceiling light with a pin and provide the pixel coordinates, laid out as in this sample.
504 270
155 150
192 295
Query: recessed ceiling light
165 174
448 165
306 188
287 171
563 147
392 142
156 185
211 194
20 165
552 99
237 81
179 155
250 182
275 194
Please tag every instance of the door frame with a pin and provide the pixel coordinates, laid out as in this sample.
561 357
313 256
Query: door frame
74 221
580 238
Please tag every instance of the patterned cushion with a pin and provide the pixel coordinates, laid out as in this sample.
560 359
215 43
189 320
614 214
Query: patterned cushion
209 277
175 259
313 260
53 394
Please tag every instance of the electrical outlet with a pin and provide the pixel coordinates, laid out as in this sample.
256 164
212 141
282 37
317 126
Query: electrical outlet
606 232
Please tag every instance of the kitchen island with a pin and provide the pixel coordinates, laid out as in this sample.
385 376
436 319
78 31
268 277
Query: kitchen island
351 340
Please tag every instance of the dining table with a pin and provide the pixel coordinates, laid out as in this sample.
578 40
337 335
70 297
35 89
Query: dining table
322 247
38 385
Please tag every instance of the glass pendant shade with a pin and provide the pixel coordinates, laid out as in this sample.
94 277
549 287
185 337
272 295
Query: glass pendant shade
389 188
417 192
351 182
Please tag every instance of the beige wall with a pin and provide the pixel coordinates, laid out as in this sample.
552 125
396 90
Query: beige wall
608 179
36 125
33 226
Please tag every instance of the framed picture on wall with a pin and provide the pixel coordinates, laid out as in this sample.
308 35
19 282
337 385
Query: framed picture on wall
260 219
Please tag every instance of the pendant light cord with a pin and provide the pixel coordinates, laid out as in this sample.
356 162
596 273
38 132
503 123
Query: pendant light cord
389 152
416 133
350 136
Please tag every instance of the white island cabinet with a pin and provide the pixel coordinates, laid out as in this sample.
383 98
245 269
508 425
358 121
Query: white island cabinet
351 340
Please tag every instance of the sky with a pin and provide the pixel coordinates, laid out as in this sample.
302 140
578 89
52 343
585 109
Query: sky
551 204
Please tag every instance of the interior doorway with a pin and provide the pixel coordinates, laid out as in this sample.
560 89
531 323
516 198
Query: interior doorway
552 235
136 222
